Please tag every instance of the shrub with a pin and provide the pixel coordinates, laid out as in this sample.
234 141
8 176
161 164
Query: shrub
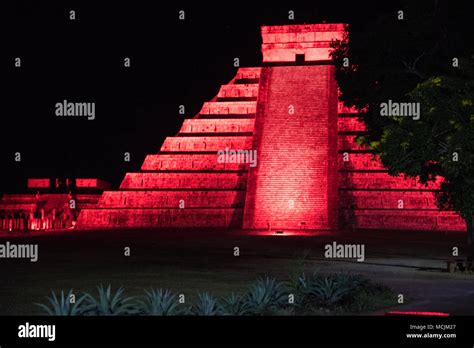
314 294
332 289
328 291
369 297
109 303
300 286
322 290
205 306
62 306
234 305
159 302
265 296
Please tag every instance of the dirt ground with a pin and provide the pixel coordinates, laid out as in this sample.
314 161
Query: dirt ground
411 263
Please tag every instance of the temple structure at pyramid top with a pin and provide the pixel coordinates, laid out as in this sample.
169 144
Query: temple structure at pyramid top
273 150
297 43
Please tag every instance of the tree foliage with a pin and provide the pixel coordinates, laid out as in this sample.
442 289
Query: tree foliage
427 58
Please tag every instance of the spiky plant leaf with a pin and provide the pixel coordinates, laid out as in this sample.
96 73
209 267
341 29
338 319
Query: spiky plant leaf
301 287
333 288
63 306
205 306
265 296
109 303
159 302
234 305
299 284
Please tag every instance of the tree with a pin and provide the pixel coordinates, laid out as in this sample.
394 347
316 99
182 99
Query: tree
441 143
425 58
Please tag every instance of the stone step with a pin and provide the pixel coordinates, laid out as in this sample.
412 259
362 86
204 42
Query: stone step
11 207
350 124
88 198
213 181
229 107
191 162
172 199
238 91
156 218
225 116
359 161
248 74
404 220
387 200
376 180
204 143
197 125
83 205
347 143
341 109
18 198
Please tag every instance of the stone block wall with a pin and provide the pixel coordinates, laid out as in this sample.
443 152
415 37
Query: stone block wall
186 184
294 185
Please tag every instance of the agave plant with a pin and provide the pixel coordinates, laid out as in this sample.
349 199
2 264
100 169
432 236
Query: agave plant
109 303
265 296
299 284
332 289
234 305
206 305
328 292
159 302
301 287
62 306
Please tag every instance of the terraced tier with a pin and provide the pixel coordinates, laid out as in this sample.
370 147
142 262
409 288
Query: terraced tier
186 184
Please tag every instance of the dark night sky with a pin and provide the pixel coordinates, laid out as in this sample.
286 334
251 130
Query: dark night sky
173 63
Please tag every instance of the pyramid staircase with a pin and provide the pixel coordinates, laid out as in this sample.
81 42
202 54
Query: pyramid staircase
370 198
310 172
184 185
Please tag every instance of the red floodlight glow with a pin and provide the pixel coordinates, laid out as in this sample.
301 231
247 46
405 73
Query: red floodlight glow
434 314
310 176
